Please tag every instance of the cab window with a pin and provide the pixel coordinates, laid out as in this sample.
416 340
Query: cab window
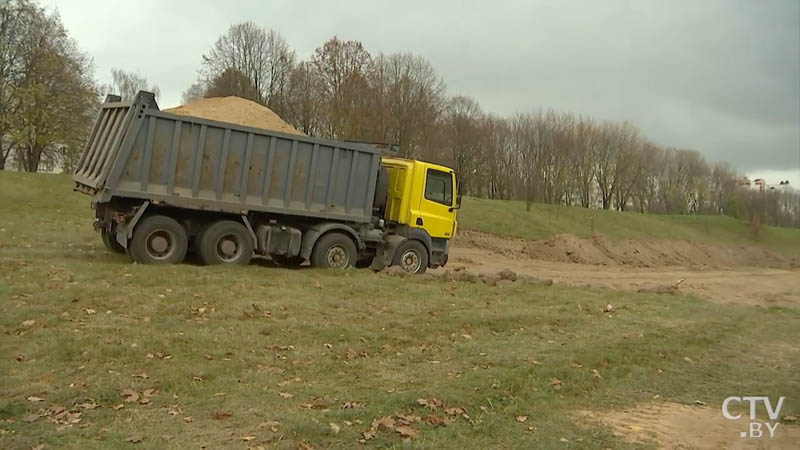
439 187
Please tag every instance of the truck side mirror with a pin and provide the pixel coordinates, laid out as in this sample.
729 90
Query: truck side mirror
458 194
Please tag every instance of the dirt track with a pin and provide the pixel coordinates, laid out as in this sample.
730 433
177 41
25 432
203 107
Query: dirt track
750 285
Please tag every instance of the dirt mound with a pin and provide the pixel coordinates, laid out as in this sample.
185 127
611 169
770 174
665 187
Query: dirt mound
675 426
597 250
235 110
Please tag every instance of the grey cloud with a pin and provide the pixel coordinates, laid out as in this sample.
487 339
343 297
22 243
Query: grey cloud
719 76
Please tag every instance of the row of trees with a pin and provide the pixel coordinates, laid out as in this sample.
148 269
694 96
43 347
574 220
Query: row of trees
343 91
48 99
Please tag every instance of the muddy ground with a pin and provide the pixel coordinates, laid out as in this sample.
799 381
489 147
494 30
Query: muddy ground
743 275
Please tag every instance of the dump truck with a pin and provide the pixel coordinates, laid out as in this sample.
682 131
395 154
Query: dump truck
164 184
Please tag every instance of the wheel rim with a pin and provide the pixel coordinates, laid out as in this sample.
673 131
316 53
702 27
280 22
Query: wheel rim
410 261
337 257
160 244
228 248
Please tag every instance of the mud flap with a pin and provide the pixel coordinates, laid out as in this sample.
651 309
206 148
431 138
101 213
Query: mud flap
385 252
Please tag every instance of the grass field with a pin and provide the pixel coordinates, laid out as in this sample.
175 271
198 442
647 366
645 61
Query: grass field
101 353
513 219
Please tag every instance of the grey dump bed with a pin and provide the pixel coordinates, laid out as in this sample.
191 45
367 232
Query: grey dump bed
137 151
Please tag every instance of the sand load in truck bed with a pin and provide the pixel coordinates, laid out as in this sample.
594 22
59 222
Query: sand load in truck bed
235 110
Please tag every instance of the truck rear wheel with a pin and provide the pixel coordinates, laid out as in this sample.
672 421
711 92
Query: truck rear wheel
158 240
110 241
225 242
412 256
334 251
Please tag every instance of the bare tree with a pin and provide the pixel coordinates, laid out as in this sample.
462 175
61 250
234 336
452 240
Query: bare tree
408 99
128 84
462 138
262 56
342 71
231 82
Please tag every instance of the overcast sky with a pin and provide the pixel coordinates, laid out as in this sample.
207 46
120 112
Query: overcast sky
722 77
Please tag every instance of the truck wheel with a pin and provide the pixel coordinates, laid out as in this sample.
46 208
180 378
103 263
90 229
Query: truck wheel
158 240
291 261
412 256
226 242
334 251
110 242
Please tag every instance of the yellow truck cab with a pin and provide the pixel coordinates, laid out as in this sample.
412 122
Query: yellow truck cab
421 205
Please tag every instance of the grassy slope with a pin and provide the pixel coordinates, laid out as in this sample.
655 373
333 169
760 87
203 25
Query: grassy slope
511 218
327 338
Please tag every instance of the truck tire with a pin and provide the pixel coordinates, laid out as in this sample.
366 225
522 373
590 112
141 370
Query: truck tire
225 242
334 251
110 242
158 240
411 256
291 261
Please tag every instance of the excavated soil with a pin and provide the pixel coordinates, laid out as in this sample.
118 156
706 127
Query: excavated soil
676 426
235 110
724 275
597 250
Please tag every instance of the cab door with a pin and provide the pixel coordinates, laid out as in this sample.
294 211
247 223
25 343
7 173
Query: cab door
436 212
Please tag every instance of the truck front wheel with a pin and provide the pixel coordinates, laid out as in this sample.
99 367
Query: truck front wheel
226 242
158 240
412 256
334 251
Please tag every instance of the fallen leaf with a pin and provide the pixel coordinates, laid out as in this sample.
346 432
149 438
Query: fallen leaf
248 438
34 398
407 431
431 403
698 402
221 415
120 406
303 445
385 422
130 395
454 411
438 421
135 439
28 323
407 419
187 419
555 383
89 311
285 394
334 428
30 418
369 434
349 405
142 375
522 419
